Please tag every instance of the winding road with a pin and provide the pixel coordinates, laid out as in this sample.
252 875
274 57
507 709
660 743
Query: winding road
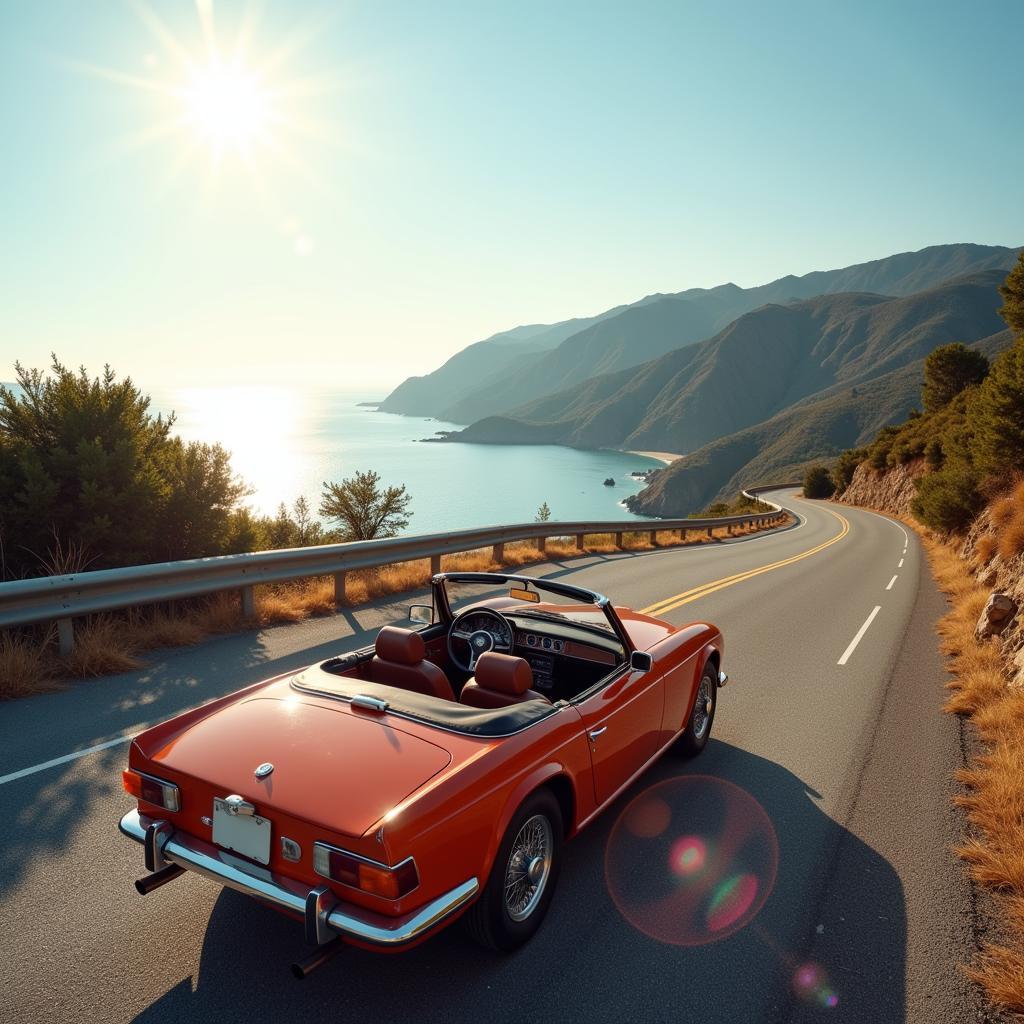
831 722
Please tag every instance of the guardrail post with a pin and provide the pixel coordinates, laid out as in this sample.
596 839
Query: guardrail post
435 564
498 554
711 532
542 544
65 636
339 589
618 540
249 602
652 536
579 541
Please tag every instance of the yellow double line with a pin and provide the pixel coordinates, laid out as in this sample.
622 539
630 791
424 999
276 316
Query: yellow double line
678 600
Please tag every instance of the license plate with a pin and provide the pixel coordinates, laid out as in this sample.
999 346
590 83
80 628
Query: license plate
248 835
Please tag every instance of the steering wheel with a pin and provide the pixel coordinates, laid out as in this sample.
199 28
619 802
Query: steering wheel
478 641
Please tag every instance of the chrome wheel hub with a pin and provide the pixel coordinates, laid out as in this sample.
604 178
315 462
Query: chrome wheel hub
529 867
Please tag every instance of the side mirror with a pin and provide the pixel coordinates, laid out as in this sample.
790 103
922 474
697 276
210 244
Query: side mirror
641 661
422 613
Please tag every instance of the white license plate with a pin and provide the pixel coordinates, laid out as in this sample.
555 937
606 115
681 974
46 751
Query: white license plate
248 835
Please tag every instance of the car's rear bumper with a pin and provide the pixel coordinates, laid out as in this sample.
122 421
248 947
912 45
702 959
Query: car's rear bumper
325 917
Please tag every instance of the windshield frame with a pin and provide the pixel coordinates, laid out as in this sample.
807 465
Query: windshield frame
440 580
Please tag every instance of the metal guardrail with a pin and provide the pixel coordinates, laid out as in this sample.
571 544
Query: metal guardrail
60 599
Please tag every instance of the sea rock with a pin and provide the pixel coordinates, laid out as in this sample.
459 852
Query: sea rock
997 614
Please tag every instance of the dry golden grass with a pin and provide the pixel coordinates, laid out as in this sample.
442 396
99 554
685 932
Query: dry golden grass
108 644
24 667
103 647
161 628
1011 537
985 548
1003 510
994 781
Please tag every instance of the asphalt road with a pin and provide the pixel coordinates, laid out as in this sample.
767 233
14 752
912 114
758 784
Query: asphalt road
851 762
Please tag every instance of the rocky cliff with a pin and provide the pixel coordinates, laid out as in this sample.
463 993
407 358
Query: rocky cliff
889 490
1000 568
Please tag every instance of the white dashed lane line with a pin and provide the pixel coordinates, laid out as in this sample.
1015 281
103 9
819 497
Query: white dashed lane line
900 566
63 760
891 582
860 636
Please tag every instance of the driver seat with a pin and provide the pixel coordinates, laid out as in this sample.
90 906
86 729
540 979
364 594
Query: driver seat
501 681
401 660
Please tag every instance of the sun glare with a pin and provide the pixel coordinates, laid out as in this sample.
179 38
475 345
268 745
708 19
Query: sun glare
231 104
227 106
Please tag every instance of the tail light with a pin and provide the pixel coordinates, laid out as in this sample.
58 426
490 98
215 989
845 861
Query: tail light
366 875
152 790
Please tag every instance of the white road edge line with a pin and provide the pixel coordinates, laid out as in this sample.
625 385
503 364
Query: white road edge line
63 760
891 582
860 635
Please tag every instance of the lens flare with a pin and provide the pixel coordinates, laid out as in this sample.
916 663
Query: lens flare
731 900
647 819
810 984
691 860
688 855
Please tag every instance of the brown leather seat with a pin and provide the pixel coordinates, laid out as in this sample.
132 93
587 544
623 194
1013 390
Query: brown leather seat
401 661
501 680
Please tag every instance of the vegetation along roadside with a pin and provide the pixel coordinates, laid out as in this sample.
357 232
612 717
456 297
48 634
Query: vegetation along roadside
955 471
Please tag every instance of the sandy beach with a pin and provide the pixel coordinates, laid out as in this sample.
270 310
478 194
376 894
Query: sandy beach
666 457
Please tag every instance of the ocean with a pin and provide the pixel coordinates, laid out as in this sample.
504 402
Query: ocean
287 441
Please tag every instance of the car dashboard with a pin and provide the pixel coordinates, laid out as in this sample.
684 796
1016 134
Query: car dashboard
565 659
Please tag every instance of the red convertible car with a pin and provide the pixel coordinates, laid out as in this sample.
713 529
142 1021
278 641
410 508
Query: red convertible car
379 795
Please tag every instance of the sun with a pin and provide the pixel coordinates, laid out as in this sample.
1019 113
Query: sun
228 107
241 109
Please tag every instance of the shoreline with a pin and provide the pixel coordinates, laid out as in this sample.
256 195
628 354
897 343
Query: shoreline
667 457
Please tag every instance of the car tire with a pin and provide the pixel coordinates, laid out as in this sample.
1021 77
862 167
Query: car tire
694 737
536 830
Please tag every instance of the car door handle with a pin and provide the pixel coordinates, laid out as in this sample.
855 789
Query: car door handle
594 733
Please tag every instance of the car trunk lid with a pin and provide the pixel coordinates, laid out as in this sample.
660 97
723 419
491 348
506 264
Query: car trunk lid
331 766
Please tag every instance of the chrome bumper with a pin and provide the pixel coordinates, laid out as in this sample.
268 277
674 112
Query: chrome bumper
324 916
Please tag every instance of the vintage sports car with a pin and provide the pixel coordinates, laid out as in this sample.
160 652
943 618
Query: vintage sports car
381 794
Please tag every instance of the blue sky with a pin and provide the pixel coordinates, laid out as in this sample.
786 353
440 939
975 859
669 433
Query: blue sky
437 172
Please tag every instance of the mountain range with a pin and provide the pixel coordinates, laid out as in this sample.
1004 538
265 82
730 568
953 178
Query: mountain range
746 383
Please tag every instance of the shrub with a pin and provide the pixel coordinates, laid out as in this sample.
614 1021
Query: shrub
997 414
846 465
818 483
933 454
948 499
1012 291
85 466
947 371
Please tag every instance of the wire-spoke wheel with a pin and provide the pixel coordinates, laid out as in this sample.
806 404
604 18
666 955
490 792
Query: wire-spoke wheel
698 728
522 880
528 868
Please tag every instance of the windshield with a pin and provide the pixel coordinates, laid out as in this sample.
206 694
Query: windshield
551 606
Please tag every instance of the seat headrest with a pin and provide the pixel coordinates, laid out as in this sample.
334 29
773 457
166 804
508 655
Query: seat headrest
402 645
504 673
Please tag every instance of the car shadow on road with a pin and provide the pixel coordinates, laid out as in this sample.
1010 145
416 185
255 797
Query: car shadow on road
587 962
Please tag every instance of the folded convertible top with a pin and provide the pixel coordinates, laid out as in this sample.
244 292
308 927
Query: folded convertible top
444 714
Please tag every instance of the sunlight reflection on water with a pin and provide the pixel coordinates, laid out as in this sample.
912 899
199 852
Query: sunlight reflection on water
286 441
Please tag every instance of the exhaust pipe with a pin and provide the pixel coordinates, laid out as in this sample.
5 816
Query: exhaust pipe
162 877
319 956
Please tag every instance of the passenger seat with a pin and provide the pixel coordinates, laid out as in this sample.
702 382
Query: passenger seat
501 681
